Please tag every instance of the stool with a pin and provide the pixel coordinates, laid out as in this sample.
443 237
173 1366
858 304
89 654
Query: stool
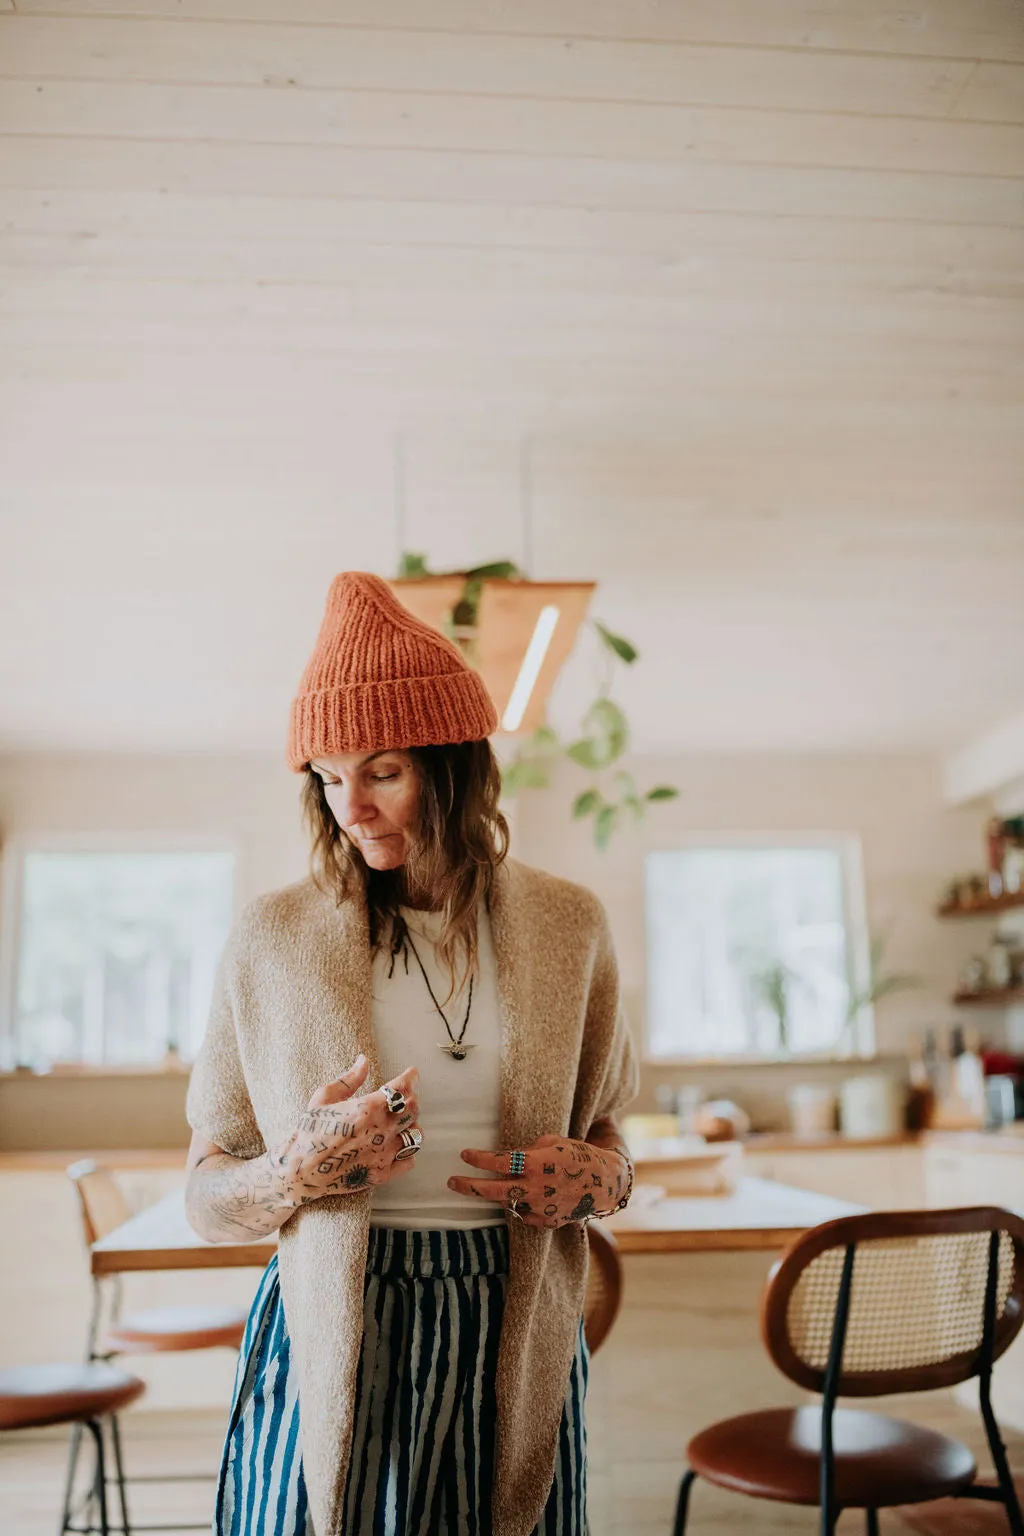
165 1330
32 1396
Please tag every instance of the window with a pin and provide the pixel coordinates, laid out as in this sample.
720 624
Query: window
750 951
115 952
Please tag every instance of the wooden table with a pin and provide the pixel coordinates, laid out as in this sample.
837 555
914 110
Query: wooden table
759 1214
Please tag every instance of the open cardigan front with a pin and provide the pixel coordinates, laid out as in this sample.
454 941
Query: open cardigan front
291 1011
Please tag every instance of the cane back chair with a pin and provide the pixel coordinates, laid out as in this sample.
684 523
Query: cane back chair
867 1306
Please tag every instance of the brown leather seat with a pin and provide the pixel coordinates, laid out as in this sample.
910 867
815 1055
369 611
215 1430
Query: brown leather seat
35 1395
880 1461
175 1328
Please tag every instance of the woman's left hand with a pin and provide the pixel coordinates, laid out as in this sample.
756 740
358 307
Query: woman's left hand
563 1181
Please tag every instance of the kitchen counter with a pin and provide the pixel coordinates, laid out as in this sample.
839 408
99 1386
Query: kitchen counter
120 1159
1010 1140
823 1141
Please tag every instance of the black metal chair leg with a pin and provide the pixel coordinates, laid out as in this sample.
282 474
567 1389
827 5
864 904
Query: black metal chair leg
871 1516
683 1503
122 1490
1002 1466
74 1446
995 1439
96 1430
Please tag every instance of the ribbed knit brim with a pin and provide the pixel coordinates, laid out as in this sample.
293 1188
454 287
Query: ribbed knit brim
380 678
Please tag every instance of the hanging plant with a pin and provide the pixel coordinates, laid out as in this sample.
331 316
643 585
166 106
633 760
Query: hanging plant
612 800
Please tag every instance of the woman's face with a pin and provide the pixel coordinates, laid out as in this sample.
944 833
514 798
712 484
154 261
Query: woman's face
375 799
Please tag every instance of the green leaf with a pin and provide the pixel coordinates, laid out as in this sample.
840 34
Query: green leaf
586 753
412 564
623 648
604 825
626 785
608 731
498 570
662 792
545 742
524 773
585 804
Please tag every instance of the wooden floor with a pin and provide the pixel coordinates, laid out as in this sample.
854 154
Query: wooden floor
684 1352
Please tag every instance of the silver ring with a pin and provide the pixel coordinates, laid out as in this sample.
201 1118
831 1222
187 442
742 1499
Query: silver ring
411 1141
394 1100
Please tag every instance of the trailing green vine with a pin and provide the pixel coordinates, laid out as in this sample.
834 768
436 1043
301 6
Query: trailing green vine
612 802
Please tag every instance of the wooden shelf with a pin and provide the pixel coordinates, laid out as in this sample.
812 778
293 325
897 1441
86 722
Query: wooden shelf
986 907
1005 997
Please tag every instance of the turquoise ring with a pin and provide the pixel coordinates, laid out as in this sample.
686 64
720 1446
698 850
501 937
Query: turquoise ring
517 1164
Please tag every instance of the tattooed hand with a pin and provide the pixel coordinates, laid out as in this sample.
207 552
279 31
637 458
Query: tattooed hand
564 1180
343 1143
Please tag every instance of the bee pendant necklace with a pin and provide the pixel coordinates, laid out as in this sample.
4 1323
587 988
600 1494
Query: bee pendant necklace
457 1048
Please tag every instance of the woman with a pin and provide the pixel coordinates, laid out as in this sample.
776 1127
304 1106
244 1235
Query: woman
427 1319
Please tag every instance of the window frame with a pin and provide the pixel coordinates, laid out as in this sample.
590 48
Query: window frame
848 845
12 865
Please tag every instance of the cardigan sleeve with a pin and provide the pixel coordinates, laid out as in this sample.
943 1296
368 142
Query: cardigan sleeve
218 1105
610 1032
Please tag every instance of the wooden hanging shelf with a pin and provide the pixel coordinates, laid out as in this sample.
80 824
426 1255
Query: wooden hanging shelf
1002 997
988 906
507 617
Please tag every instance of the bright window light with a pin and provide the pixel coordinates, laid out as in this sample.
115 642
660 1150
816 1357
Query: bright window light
723 925
117 953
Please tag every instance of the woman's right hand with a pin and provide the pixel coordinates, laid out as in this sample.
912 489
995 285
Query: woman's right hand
345 1141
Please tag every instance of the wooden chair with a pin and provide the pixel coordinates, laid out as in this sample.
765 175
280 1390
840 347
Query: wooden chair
102 1207
893 1301
604 1286
32 1396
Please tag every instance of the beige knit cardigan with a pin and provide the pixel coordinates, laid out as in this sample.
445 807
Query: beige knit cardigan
292 1009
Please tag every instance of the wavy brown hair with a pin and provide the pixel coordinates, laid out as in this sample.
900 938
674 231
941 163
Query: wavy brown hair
461 838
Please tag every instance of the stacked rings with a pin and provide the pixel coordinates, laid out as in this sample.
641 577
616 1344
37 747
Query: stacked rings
411 1141
393 1099
517 1164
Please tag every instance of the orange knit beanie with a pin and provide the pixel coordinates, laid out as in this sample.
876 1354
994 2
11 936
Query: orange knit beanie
381 678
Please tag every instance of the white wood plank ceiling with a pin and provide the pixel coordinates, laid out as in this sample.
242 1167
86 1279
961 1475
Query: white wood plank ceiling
719 302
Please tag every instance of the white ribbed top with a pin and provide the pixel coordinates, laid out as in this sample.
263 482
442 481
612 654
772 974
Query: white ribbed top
459 1100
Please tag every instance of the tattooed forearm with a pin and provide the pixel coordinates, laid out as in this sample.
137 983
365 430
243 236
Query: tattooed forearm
337 1148
235 1200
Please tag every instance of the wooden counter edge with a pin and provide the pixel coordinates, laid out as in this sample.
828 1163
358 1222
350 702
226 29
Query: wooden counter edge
750 1240
122 1160
212 1256
256 1255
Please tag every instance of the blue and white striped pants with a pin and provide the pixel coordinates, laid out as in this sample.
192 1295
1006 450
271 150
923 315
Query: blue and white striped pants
425 1414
